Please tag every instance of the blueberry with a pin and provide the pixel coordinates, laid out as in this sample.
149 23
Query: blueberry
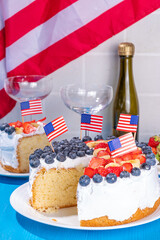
146 147
66 152
110 137
84 180
74 139
141 144
81 153
44 154
32 156
111 178
9 130
64 142
151 161
136 171
3 126
72 155
49 159
136 142
150 155
38 152
53 154
34 163
47 149
61 157
86 138
98 137
145 166
97 178
124 174
146 150
89 151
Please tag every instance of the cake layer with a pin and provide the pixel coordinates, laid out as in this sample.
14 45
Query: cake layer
118 201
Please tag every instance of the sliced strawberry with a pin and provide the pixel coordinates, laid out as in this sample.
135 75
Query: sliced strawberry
103 153
127 157
119 160
154 150
138 151
102 171
127 167
90 172
28 128
19 124
141 158
154 141
97 162
101 145
115 170
13 124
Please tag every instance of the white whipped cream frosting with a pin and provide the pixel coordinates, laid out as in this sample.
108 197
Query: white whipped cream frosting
8 145
119 200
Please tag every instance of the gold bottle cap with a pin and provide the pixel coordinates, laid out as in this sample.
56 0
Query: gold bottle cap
126 49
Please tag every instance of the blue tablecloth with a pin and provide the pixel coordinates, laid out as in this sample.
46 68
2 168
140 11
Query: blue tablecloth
13 226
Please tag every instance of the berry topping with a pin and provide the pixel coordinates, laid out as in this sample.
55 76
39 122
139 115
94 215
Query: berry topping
136 171
86 139
101 145
34 163
154 141
97 178
118 160
47 149
90 172
44 154
127 157
145 166
49 159
38 152
84 180
102 153
150 155
97 162
9 130
151 161
28 128
111 178
98 137
72 155
137 152
32 156
81 153
116 170
146 150
61 157
124 174
3 126
89 151
140 157
102 171
142 144
127 167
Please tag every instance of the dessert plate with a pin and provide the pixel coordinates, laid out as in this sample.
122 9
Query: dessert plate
66 218
10 174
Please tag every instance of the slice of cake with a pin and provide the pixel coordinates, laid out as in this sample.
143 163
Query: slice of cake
17 142
120 190
54 175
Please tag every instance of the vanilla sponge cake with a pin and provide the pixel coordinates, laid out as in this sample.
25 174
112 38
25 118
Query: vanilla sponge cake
118 191
16 145
54 175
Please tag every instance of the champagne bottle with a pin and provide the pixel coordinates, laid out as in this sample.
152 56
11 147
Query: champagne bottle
126 100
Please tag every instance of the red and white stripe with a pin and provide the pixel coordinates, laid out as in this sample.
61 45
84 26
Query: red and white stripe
124 124
128 145
54 34
60 127
35 108
95 124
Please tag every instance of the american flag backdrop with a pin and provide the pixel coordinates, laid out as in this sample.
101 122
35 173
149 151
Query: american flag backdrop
40 36
31 107
122 145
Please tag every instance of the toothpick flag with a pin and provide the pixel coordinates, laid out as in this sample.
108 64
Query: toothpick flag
55 128
91 122
31 107
127 123
122 145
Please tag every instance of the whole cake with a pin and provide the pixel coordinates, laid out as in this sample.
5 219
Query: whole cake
17 141
54 175
120 190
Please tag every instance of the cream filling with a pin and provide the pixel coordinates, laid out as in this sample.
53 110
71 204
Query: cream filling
120 200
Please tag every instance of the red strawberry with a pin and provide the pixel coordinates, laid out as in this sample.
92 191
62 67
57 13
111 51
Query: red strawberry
102 171
127 157
118 160
101 145
103 153
154 150
90 172
28 128
138 151
127 167
97 162
115 170
141 158
154 141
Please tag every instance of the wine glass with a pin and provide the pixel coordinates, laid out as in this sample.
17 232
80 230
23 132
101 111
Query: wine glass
88 100
25 88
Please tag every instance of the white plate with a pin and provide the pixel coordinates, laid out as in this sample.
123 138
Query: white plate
10 174
158 167
66 218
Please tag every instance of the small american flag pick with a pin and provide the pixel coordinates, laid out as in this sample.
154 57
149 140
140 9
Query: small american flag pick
122 145
31 107
91 122
127 123
55 128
